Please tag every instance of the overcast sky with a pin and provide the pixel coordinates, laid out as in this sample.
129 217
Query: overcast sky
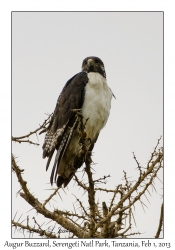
48 49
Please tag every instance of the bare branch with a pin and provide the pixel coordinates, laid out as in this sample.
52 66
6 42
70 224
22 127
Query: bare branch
50 197
91 191
80 183
34 230
128 194
60 219
67 213
18 139
28 141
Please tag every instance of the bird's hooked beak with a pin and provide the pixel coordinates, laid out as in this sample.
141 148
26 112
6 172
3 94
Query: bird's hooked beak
90 62
91 65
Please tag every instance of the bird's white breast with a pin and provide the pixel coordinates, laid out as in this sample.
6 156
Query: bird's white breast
97 104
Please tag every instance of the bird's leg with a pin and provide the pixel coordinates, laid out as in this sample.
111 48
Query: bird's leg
87 157
84 140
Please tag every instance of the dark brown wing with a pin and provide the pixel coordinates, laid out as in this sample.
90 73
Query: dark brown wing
78 163
62 124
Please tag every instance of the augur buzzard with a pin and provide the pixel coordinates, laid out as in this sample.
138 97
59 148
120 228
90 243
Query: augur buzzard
88 91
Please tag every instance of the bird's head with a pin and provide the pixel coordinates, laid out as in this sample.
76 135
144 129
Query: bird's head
93 64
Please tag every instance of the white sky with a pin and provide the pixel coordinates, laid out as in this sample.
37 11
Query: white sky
48 48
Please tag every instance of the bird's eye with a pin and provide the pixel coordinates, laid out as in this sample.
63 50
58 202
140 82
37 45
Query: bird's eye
97 61
85 62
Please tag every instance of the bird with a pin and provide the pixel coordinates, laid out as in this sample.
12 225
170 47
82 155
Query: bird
88 93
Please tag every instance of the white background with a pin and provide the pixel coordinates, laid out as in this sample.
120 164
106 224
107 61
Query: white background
120 112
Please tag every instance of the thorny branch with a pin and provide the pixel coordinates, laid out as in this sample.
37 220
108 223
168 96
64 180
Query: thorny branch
39 230
50 197
39 207
80 183
90 189
132 190
43 126
91 200
82 207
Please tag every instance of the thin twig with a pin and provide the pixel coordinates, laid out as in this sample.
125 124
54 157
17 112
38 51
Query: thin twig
50 197
18 139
